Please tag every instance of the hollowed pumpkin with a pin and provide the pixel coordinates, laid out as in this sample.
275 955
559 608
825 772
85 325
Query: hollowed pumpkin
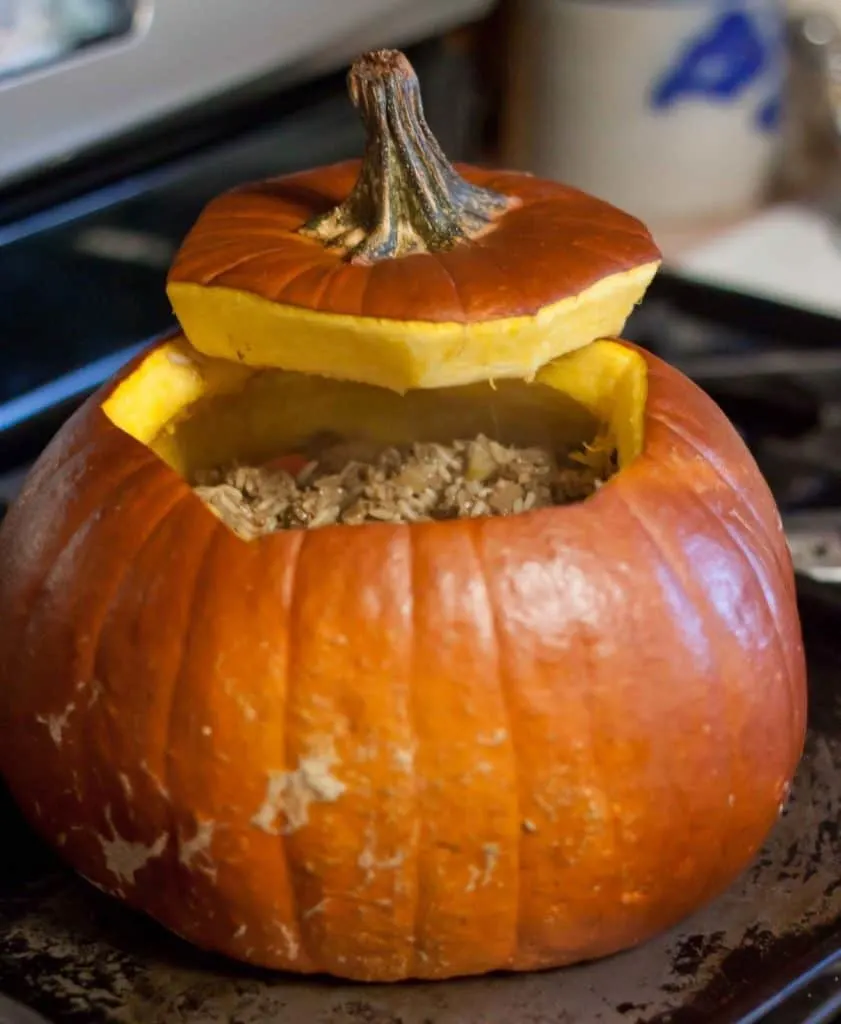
393 750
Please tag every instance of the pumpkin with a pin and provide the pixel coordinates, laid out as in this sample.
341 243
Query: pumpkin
401 750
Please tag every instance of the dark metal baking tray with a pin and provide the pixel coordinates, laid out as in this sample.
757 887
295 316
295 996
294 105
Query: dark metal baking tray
766 950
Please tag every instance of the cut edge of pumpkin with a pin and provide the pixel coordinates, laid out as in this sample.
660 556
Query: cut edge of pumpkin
247 329
262 409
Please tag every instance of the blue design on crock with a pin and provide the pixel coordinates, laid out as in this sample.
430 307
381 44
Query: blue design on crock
719 63
769 113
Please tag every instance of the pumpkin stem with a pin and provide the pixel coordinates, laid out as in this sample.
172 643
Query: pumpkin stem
408 197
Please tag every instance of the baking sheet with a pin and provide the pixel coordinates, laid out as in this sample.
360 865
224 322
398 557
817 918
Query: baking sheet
77 956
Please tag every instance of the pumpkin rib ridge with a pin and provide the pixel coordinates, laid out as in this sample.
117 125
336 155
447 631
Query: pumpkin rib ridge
285 851
759 531
596 768
35 594
95 646
68 549
363 296
112 600
587 246
143 539
253 257
490 252
340 279
326 281
474 533
299 269
687 586
415 734
65 457
215 535
464 320
750 560
758 527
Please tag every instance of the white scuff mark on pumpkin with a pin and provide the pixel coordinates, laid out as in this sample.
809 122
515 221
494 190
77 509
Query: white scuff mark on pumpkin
243 928
371 863
231 688
198 847
598 809
249 713
94 687
484 768
404 758
479 877
529 826
632 898
206 730
290 795
125 782
367 752
545 806
317 908
123 859
292 948
156 782
56 724
492 739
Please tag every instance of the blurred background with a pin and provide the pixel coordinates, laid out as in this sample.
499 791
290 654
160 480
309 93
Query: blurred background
716 121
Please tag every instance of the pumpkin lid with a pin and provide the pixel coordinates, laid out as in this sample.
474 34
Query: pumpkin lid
401 269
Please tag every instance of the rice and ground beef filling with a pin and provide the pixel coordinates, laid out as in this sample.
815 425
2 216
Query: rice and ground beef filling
352 483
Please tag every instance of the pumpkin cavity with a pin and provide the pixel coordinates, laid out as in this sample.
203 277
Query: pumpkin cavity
270 449
357 482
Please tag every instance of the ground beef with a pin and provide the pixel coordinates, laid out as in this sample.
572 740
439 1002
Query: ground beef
356 482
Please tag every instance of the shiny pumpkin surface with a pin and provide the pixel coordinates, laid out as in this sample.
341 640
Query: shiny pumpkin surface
555 244
392 751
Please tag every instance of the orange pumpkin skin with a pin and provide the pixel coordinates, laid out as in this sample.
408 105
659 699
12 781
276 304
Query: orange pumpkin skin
557 243
509 743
